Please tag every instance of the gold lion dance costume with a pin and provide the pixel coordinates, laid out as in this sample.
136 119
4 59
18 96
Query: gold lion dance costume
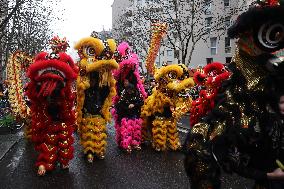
52 104
244 132
95 90
168 101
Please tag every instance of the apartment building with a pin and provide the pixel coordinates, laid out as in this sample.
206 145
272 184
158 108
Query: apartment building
214 46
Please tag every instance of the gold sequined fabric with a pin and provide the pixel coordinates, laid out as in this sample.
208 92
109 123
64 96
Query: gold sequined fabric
200 128
253 73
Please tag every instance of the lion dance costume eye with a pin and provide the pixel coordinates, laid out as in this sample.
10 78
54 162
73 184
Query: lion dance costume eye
130 91
169 100
52 101
95 90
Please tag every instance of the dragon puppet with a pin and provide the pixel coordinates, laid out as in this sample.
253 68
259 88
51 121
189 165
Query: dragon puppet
16 79
95 90
168 101
128 100
211 77
52 106
244 131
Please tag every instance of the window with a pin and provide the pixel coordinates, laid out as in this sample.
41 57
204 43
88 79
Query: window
169 62
208 22
227 45
176 54
227 21
226 3
213 45
207 7
169 53
209 60
228 60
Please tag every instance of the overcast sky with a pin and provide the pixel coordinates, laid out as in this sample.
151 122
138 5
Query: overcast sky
81 17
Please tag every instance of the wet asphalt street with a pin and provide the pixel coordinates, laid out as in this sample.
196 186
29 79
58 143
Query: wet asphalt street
143 169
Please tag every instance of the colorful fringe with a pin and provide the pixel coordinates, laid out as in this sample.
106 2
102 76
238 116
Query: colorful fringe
165 134
129 133
93 135
54 143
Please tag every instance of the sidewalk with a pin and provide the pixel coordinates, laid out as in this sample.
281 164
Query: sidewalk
8 141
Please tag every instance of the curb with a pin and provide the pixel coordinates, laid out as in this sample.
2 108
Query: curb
13 143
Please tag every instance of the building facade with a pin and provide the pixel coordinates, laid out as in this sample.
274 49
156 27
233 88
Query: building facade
214 46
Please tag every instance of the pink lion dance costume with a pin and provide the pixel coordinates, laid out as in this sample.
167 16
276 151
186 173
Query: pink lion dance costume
52 102
129 99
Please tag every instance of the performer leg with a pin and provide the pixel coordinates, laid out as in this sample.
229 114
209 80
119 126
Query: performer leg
126 133
172 135
45 139
47 150
136 135
159 132
93 137
65 148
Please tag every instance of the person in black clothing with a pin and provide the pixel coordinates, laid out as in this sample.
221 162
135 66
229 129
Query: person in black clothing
130 103
243 134
252 152
128 110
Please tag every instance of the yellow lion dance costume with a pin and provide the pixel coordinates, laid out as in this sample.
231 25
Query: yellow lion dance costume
95 89
165 106
169 100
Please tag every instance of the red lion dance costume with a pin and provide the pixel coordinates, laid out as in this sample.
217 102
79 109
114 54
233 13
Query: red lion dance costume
212 77
128 123
52 103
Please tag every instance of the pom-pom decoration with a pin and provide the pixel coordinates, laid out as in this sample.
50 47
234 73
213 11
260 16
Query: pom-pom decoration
59 45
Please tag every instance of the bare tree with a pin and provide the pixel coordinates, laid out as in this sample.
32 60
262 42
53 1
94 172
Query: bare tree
131 27
190 21
7 12
26 26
